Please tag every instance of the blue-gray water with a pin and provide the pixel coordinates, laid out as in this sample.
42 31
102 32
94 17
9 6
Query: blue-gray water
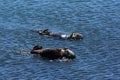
98 54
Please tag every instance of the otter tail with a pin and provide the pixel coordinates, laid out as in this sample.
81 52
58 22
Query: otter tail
23 52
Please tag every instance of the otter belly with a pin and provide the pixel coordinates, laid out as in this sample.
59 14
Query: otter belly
64 36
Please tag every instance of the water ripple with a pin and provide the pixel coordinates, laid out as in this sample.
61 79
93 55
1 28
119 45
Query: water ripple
97 54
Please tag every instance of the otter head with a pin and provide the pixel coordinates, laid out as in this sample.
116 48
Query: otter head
76 36
80 36
68 53
37 47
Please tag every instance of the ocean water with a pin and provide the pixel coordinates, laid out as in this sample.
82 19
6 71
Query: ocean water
98 54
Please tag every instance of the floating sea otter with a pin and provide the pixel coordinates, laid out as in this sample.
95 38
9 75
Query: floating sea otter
74 36
52 54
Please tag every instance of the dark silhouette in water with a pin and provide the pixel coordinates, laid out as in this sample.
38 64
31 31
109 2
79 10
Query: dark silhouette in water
52 54
73 36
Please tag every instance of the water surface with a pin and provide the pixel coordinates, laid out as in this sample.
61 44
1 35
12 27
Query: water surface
98 54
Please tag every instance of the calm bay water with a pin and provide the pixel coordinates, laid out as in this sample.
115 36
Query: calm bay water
98 54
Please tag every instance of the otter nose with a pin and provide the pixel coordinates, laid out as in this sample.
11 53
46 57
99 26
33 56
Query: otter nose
72 57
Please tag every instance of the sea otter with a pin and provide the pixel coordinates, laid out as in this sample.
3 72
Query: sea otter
73 36
52 54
